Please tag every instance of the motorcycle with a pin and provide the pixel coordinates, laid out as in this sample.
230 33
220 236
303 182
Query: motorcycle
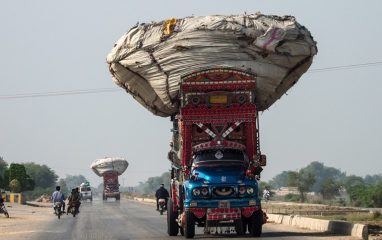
162 205
73 209
57 209
266 196
3 209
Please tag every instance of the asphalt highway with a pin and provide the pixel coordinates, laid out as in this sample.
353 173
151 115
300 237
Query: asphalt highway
134 220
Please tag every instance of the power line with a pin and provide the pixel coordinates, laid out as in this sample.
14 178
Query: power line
103 90
345 67
58 93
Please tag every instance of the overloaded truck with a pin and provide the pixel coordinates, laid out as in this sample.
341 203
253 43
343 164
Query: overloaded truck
212 76
110 168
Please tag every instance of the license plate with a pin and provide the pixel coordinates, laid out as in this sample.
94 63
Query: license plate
219 99
224 204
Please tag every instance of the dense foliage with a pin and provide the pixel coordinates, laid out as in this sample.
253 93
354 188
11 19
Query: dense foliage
330 183
153 183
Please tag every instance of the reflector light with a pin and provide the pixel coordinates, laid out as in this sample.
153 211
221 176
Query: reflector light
204 191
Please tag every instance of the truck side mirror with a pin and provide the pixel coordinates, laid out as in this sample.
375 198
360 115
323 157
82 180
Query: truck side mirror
263 160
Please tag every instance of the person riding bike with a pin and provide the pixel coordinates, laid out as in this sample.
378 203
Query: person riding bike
58 196
161 193
74 200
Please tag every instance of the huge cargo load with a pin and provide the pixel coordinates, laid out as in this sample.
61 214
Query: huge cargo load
114 164
149 60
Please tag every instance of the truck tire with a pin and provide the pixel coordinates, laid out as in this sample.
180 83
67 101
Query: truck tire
256 224
240 227
189 225
172 225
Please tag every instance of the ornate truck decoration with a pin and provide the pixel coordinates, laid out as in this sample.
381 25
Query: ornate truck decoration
216 154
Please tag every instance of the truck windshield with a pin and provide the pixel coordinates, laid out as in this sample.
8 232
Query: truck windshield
219 155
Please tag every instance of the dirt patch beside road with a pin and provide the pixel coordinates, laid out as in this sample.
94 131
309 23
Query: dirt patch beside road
23 221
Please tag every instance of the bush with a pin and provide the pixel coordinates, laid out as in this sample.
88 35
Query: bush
38 192
292 197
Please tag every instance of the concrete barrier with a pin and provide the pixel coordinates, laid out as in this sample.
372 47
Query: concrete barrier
336 227
13 197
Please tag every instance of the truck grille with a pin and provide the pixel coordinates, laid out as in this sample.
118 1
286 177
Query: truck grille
224 191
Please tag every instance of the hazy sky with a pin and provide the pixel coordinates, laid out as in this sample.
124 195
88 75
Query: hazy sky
332 116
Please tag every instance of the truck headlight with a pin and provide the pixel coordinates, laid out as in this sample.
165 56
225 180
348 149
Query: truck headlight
250 190
196 192
204 191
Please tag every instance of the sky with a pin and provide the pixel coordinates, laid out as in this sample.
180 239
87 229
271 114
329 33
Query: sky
332 115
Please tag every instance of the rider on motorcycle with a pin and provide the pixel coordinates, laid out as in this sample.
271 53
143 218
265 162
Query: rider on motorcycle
161 193
266 194
74 200
58 196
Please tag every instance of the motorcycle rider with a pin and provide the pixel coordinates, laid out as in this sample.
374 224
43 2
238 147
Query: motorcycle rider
58 196
74 200
161 193
266 194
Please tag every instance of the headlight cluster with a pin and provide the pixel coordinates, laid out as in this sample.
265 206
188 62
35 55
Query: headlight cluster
200 192
246 190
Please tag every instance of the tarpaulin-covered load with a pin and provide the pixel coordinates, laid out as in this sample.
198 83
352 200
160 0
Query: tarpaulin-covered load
110 164
149 60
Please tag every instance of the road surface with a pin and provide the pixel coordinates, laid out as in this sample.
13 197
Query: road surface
135 220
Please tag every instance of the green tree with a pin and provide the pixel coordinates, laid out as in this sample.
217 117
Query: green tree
152 184
64 187
42 175
322 173
3 166
329 188
279 180
5 184
15 186
377 195
373 179
73 181
303 180
17 171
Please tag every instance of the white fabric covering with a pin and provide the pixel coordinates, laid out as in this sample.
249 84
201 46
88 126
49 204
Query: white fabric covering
149 63
117 164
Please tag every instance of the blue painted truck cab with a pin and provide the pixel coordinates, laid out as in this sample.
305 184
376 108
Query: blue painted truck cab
219 177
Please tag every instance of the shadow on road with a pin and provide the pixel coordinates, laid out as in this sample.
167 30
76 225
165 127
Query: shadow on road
268 235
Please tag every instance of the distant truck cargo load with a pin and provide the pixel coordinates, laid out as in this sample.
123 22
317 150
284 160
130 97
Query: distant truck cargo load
151 58
110 168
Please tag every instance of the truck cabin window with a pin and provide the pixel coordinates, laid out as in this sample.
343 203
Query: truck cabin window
209 156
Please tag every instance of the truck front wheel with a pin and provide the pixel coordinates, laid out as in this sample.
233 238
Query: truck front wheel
240 227
189 225
172 225
256 224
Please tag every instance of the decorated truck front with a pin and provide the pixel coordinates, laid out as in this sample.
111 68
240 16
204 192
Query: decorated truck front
216 154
